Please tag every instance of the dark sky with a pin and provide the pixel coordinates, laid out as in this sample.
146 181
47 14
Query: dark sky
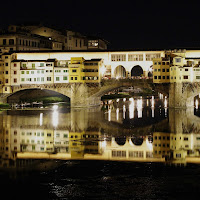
125 24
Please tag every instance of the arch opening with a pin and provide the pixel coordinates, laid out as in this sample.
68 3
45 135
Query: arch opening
120 72
32 95
120 140
137 141
136 71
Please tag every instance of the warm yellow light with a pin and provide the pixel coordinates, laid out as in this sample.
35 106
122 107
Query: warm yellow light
109 115
152 112
124 111
196 104
152 102
131 108
117 114
55 118
165 102
41 119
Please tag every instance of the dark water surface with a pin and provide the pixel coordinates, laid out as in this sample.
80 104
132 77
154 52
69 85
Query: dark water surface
128 149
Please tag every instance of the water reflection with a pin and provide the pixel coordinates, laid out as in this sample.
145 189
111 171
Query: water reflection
146 134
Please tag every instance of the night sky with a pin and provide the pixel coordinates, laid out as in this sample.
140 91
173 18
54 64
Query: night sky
125 24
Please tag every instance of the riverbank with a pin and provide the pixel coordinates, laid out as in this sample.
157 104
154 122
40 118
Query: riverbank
4 106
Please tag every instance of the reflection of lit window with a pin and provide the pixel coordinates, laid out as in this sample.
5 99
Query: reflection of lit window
124 111
109 115
131 108
55 118
117 114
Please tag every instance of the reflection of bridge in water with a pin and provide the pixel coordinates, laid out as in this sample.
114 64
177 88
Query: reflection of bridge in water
77 135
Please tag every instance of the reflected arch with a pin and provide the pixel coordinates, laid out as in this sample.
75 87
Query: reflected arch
120 140
120 72
137 141
136 71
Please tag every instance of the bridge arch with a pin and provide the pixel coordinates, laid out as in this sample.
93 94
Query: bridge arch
120 72
120 140
137 141
136 71
34 93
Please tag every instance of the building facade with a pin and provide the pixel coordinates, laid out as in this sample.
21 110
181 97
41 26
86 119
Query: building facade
23 38
176 69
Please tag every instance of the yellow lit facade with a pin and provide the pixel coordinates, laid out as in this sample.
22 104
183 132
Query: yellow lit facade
85 71
161 144
179 69
16 72
161 73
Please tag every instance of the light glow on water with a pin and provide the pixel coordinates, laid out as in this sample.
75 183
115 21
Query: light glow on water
131 108
196 104
41 119
124 111
55 118
109 115
153 109
139 107
117 114
152 102
165 102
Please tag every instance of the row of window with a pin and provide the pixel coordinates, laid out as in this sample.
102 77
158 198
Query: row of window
85 78
24 65
42 71
161 63
40 134
168 138
163 145
64 78
33 72
167 70
134 57
161 77
159 70
167 77
132 154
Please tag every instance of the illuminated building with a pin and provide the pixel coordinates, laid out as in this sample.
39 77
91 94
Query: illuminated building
161 73
96 43
161 144
50 67
176 69
18 72
85 71
39 37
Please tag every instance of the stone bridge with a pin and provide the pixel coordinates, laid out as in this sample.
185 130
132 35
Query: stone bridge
181 95
83 94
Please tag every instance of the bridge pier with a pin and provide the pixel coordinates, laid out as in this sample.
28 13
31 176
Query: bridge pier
179 97
3 98
81 96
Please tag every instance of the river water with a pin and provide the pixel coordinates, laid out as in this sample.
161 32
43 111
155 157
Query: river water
126 149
